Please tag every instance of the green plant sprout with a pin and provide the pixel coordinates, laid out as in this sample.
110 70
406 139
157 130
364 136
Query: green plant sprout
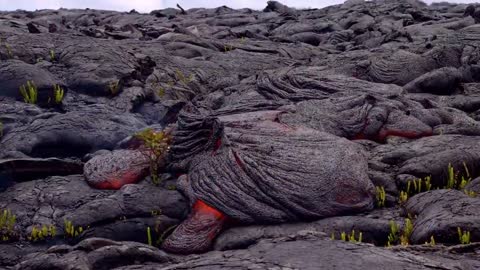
156 145
403 197
40 234
182 78
9 51
171 187
164 234
228 47
469 193
52 56
58 94
7 225
432 242
149 237
402 237
393 235
156 213
29 92
453 179
161 238
381 196
114 87
407 232
343 236
70 230
349 237
464 236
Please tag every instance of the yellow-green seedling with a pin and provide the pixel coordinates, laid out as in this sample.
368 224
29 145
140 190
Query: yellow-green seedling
393 235
453 179
419 185
52 56
156 213
114 87
29 92
171 187
403 198
70 229
352 239
58 94
406 233
428 183
450 177
42 233
343 236
8 48
228 47
464 236
182 78
400 237
7 225
432 241
149 237
381 196
155 145
164 235
469 193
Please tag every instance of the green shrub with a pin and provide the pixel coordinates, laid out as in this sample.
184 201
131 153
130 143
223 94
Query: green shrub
156 145
29 92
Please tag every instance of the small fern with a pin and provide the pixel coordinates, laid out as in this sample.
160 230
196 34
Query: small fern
58 94
53 58
381 196
29 92
114 87
464 236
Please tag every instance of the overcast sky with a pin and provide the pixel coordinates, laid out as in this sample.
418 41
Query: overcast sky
148 5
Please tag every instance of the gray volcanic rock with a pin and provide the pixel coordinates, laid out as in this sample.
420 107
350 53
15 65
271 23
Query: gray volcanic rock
252 154
74 133
441 213
305 250
115 169
280 115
